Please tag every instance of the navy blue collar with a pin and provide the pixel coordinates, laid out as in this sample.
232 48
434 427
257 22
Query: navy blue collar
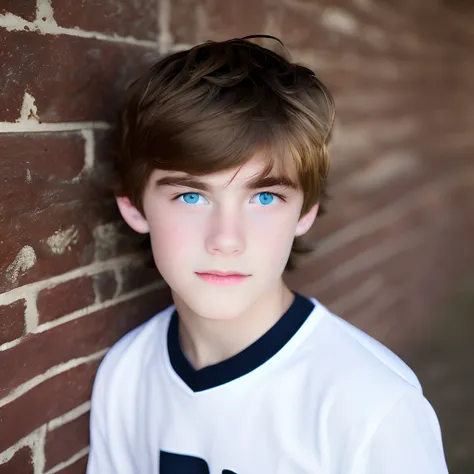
245 361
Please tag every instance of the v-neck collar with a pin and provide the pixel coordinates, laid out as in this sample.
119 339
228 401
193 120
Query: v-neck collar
245 361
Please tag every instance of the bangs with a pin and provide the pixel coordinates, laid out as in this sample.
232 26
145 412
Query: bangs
205 150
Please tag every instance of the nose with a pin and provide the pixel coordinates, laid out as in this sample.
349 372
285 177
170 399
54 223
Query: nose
226 233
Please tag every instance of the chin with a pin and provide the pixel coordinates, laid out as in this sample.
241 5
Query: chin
223 306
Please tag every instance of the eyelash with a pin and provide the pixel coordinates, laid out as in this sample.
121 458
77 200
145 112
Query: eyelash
279 196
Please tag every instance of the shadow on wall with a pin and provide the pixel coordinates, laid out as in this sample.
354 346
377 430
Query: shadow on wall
444 364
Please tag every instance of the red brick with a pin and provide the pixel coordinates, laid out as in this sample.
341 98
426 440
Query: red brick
42 166
302 28
348 205
323 263
92 72
23 8
395 272
65 298
183 26
28 162
77 338
12 321
223 20
52 398
78 218
122 17
33 162
66 440
400 280
298 29
107 144
105 285
399 187
419 279
138 276
79 467
106 149
20 463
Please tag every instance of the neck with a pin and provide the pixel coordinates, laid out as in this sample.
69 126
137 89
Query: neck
206 342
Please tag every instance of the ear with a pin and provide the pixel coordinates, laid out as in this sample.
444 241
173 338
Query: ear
132 215
305 222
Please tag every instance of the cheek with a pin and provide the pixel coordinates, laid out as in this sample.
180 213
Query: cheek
171 237
274 233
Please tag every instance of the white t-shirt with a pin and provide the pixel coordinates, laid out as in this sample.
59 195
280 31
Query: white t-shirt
313 395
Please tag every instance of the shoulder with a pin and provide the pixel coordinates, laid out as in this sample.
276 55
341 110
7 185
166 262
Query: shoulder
363 378
367 355
130 354
354 354
357 392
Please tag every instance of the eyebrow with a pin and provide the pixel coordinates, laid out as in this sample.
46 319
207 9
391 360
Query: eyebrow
258 183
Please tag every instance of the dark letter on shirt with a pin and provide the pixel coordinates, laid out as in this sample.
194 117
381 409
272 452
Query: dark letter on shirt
172 463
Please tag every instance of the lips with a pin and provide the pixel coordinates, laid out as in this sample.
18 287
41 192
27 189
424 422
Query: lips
216 277
223 274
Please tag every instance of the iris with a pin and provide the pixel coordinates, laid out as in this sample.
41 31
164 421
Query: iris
265 198
190 198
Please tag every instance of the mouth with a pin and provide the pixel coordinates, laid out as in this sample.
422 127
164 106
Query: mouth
223 274
216 277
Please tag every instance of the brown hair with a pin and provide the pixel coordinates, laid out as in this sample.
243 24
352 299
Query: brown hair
212 107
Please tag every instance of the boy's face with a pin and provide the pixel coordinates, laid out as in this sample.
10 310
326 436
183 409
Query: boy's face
220 222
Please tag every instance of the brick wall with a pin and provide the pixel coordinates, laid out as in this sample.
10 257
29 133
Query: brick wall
396 243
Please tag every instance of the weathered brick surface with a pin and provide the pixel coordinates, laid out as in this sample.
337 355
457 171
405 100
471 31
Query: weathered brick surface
110 16
91 71
71 224
65 441
20 463
418 275
77 338
23 8
33 164
30 186
42 232
12 321
105 285
193 22
427 215
79 467
446 384
138 276
52 214
106 146
65 298
48 400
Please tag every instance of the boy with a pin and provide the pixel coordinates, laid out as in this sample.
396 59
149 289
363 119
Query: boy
224 164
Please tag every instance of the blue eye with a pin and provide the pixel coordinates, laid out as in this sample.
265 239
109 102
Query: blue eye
265 198
190 198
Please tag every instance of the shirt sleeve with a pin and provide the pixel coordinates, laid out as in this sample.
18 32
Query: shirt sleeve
408 440
100 460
